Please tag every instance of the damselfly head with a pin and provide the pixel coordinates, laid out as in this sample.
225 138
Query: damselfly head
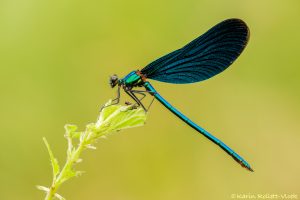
113 80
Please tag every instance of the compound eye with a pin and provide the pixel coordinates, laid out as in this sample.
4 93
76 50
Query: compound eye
114 77
113 80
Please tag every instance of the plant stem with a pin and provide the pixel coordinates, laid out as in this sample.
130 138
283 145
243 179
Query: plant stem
50 193
67 167
112 118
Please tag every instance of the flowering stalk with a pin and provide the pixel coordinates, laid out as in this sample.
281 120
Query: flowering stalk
112 118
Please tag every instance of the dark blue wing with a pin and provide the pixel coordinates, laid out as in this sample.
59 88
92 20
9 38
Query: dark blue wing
204 57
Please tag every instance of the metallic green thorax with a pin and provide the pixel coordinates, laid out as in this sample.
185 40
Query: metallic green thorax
132 79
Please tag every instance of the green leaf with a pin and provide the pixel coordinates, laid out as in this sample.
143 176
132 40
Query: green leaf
76 135
54 162
118 117
70 130
108 110
70 127
67 175
42 188
112 118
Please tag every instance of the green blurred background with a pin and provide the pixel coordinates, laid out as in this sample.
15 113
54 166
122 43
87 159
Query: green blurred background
56 57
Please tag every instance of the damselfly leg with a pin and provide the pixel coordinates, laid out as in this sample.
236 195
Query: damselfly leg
114 101
139 100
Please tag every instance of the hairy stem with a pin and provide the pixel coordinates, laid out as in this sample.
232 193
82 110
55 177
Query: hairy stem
112 118
67 167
